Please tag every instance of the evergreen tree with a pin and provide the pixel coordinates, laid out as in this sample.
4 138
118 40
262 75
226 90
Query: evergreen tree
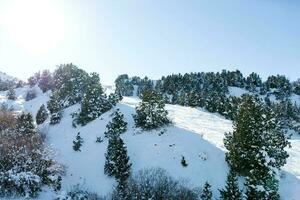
25 124
151 113
256 147
145 85
206 193
183 162
117 162
70 84
253 81
77 143
54 106
11 94
114 98
124 85
94 102
41 115
231 190
117 125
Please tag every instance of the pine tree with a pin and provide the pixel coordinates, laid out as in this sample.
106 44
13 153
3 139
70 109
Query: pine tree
151 113
93 103
124 85
117 125
117 162
114 98
54 105
231 190
206 193
183 162
256 147
11 94
25 124
77 143
41 115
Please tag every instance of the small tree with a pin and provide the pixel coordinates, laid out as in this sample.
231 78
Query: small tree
151 113
25 124
117 125
41 115
54 106
206 192
117 162
183 162
77 143
11 94
231 190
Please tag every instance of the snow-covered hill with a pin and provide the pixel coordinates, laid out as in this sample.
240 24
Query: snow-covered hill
195 134
5 77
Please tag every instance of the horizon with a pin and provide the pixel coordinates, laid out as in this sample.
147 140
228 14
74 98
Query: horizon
152 39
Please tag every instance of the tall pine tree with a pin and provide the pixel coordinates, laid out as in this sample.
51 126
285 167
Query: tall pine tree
117 162
256 147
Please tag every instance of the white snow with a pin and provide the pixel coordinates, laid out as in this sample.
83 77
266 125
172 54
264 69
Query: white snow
195 134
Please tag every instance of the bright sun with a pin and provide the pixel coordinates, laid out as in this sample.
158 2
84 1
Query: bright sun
36 26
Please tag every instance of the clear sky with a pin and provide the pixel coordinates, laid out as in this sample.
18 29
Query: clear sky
150 37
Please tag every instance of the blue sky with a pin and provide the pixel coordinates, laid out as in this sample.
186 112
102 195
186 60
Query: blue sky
152 37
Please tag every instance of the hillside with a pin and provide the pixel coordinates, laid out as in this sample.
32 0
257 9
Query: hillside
194 133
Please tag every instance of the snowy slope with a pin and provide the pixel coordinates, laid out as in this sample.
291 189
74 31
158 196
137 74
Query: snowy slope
195 134
5 77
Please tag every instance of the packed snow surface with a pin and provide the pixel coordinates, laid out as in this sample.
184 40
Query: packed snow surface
194 133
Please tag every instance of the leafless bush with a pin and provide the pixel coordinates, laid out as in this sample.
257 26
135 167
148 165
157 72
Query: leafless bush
7 118
156 184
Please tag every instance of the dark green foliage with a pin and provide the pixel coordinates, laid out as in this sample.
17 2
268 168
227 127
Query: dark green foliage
116 126
114 98
253 82
145 85
117 162
151 113
77 143
206 193
54 105
124 85
99 139
41 115
296 87
11 94
263 152
94 103
183 162
25 124
70 83
231 190
280 85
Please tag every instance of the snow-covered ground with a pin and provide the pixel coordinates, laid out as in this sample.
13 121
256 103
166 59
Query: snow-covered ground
195 134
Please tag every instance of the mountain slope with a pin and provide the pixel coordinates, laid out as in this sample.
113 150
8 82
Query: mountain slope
195 134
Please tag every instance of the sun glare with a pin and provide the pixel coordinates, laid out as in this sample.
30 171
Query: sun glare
36 26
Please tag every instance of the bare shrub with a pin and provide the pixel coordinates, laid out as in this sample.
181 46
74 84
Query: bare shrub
7 118
26 164
155 184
